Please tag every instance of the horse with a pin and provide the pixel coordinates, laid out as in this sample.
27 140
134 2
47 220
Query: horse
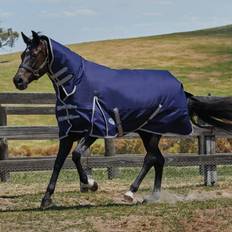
94 101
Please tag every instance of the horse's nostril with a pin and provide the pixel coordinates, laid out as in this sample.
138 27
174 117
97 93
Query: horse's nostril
18 80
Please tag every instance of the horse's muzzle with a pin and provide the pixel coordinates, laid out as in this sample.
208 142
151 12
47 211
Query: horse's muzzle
20 83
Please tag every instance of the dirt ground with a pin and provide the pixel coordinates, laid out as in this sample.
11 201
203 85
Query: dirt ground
183 206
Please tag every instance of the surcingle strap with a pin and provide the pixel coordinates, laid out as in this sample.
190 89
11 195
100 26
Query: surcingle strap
118 122
60 72
66 107
68 117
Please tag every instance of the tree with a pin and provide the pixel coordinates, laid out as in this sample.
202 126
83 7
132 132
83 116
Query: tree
7 37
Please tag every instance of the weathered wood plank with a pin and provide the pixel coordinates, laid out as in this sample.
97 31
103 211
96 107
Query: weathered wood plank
4 176
30 110
29 133
27 98
47 98
51 132
27 164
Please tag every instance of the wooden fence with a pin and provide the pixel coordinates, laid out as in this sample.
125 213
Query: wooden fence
43 104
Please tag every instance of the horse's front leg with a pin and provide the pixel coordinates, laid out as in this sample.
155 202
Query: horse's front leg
64 149
86 182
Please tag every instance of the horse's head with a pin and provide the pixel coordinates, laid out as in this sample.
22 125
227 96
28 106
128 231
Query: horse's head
34 62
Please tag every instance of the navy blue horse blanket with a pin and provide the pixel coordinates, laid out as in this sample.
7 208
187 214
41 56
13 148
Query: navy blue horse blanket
102 102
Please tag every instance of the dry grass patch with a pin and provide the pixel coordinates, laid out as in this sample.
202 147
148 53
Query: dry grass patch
130 223
207 220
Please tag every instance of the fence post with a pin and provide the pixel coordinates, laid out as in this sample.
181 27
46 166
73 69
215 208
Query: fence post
4 176
206 146
201 150
210 177
110 151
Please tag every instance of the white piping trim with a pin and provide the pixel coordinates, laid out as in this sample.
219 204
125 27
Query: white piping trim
95 101
69 94
106 124
93 110
151 117
149 131
157 133
105 137
58 95
52 55
64 136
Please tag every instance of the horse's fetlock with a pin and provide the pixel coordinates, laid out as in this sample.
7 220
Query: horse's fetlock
134 188
50 189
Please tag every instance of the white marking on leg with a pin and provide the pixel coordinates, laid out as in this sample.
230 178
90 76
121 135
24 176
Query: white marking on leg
90 182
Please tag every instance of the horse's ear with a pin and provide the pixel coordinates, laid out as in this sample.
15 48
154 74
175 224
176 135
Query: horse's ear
36 38
26 40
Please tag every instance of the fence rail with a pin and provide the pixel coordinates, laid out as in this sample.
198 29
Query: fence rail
43 104
126 160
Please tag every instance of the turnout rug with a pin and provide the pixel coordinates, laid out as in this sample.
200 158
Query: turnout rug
102 102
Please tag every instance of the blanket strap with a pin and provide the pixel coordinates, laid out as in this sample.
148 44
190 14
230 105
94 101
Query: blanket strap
118 122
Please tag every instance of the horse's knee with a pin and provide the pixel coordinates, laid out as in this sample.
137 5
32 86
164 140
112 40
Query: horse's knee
76 156
149 160
160 160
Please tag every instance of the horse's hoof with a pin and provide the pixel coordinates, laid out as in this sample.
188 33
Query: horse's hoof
46 203
94 188
129 196
92 185
84 189
154 197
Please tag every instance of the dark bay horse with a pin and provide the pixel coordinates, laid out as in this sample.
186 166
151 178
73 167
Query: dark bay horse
94 101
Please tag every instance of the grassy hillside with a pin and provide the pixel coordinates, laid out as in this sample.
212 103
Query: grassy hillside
200 59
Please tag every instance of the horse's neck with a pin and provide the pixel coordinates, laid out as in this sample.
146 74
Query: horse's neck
65 68
64 57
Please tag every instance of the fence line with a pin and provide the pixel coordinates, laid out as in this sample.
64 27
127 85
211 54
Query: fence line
43 103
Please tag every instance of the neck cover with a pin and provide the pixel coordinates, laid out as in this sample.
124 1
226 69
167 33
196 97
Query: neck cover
99 101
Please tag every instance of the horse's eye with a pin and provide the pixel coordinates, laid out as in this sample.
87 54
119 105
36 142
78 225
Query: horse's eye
33 54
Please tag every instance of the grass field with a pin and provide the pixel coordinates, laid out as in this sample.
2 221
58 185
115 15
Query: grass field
185 205
202 61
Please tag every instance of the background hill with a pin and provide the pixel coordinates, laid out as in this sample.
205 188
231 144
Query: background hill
201 59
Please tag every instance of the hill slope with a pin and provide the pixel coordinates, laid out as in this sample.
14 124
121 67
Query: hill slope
201 59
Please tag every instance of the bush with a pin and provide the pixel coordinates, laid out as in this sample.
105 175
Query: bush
125 146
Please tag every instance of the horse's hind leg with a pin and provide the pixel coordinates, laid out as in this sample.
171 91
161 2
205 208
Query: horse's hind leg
152 158
158 165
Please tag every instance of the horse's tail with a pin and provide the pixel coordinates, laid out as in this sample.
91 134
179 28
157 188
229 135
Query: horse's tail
215 111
